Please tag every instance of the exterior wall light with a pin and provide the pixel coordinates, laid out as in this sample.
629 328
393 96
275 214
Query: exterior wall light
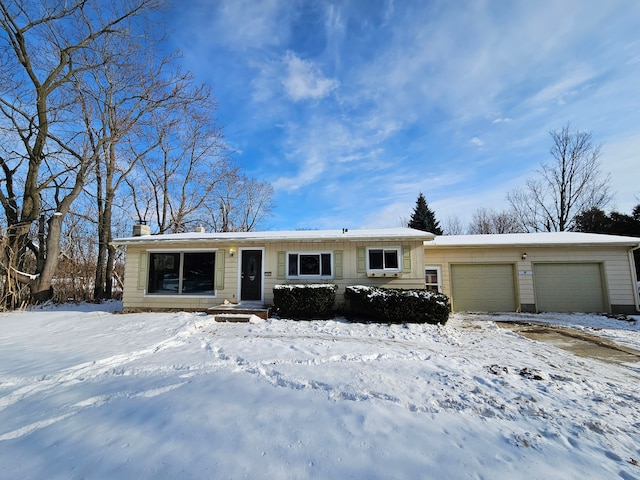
232 252
524 256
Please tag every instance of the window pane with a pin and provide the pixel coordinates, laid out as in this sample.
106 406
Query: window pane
431 279
198 273
431 276
390 259
375 260
326 264
293 265
310 264
164 269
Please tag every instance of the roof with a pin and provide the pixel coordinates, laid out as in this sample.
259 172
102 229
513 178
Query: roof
533 239
399 234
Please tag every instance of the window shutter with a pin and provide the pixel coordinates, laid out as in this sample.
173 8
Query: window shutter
406 258
219 276
361 254
142 270
337 263
282 264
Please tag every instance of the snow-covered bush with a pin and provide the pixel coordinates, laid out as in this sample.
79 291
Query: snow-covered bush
304 301
394 305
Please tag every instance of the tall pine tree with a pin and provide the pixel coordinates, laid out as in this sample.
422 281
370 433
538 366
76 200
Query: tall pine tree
423 217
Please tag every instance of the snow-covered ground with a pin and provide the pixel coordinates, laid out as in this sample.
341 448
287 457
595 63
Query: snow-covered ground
86 393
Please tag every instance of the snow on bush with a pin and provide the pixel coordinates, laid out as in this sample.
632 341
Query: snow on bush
394 305
305 301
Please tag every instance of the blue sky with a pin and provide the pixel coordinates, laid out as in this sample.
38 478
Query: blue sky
351 108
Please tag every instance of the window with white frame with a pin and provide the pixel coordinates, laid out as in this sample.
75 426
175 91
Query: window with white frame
309 265
432 278
181 273
387 259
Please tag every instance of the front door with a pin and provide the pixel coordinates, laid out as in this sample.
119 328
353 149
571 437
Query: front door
251 275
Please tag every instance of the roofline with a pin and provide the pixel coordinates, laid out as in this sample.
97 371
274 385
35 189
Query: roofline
304 236
529 240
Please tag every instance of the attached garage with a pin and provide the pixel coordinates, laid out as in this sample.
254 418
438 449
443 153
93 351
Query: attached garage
569 287
536 272
483 287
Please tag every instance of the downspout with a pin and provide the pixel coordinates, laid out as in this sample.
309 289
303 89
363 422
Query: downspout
634 276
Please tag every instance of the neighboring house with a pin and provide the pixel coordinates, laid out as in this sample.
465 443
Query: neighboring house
560 272
195 271
534 272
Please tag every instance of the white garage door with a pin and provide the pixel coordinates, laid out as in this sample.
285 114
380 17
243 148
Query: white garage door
483 288
568 287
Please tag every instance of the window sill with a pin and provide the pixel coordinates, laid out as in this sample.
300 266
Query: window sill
176 295
309 277
383 274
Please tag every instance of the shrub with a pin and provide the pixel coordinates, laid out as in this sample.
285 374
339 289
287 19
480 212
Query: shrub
394 305
304 301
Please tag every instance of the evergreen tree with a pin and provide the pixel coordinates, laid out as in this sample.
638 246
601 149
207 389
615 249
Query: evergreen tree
596 221
423 217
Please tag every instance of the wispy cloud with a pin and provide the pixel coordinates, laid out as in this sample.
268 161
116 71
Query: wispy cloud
376 102
303 79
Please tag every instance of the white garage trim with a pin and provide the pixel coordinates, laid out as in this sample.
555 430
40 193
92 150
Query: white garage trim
570 287
484 287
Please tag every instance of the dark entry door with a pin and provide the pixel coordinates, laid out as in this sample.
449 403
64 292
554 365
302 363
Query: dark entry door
251 275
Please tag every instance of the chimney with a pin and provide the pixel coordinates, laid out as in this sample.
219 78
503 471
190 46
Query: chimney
141 228
200 229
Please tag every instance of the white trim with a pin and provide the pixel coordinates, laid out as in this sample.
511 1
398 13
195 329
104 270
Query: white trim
309 252
634 278
239 286
384 248
438 269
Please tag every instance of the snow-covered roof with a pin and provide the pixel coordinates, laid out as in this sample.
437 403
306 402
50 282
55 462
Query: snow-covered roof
532 239
284 235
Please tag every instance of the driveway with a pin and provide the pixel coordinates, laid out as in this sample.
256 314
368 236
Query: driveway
577 342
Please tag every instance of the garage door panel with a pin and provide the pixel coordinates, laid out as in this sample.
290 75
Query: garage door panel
568 287
483 287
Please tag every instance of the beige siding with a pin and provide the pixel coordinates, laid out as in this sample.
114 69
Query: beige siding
136 298
617 269
350 274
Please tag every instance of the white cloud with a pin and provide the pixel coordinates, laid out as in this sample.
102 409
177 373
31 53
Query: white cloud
304 79
620 159
244 24
419 91
476 141
563 87
309 172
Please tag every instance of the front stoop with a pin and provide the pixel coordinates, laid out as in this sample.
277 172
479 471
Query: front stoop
237 312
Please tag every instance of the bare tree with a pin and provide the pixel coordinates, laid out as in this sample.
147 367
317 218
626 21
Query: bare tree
46 49
452 225
488 221
120 101
175 180
239 204
571 184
